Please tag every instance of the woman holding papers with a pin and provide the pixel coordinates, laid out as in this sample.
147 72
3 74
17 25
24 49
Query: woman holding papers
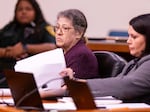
69 31
27 34
133 84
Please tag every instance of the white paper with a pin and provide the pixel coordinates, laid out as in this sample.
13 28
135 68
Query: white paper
127 105
67 104
45 66
71 106
107 102
5 92
59 106
98 101
5 101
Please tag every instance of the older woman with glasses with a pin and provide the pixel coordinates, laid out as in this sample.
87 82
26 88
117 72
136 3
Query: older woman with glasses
69 32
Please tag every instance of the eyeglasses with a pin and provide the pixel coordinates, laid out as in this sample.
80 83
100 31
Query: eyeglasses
64 29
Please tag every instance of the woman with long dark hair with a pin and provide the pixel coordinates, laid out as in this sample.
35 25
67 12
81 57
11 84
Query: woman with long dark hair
27 34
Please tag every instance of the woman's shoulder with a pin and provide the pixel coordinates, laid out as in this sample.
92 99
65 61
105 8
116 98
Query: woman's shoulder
8 29
84 52
144 61
10 25
48 28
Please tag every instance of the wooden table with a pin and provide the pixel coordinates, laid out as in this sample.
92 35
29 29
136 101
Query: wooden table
114 110
108 45
13 109
120 48
10 109
106 110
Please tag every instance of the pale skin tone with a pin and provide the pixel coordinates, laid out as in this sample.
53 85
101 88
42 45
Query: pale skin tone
136 42
25 14
66 36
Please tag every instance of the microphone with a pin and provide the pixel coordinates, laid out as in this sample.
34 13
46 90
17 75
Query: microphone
45 84
2 80
35 90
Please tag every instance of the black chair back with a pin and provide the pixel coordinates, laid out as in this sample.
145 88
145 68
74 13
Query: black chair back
110 64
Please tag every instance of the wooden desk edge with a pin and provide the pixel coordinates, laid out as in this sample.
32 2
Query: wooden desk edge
111 110
114 47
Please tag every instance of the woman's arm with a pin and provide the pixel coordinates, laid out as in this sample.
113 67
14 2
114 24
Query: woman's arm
133 85
2 52
20 51
38 48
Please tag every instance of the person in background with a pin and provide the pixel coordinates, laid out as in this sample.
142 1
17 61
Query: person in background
133 83
26 35
70 28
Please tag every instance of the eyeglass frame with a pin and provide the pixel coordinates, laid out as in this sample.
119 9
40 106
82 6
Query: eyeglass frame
63 28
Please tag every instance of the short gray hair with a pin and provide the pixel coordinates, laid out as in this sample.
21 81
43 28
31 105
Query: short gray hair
77 17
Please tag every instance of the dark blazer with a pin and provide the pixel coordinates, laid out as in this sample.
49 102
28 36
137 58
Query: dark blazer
82 61
13 33
132 85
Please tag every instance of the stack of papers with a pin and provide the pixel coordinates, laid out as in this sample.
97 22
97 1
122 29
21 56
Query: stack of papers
127 105
5 92
66 103
45 66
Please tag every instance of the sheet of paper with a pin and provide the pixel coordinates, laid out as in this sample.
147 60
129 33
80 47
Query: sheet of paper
67 103
127 105
71 106
59 106
45 66
5 92
98 100
108 102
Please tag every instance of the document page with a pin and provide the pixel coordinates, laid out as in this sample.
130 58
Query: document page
45 66
107 102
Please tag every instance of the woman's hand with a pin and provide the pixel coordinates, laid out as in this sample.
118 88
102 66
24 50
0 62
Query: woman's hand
17 51
2 52
67 72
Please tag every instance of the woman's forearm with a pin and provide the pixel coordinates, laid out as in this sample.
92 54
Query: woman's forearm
38 48
2 52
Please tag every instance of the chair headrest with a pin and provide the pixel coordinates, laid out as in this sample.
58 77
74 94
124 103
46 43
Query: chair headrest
110 64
